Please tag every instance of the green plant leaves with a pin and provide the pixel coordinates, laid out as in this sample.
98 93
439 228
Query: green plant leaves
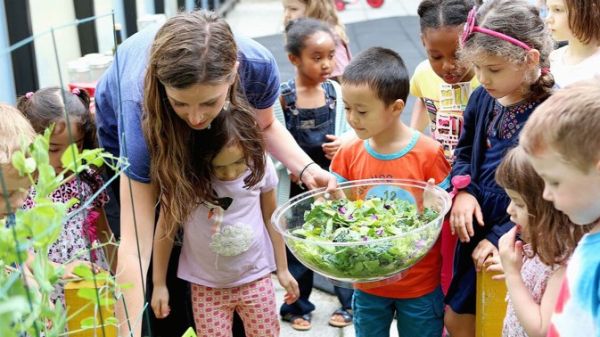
22 164
33 232
189 333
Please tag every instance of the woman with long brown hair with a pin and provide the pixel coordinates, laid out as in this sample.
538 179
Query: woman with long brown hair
229 249
181 76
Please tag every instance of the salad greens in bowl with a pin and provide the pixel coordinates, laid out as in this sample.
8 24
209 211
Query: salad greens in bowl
365 231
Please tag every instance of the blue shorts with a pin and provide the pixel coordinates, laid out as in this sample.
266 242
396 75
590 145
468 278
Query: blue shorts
417 317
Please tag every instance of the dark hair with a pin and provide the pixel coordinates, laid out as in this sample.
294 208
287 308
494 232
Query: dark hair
381 69
190 48
520 20
442 13
232 126
297 31
583 19
552 236
47 106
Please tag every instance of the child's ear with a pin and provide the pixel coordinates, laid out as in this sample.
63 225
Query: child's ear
293 59
532 58
397 107
422 40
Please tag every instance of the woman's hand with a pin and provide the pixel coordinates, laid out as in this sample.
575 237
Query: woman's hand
160 301
461 217
294 178
287 281
481 253
511 252
332 146
314 177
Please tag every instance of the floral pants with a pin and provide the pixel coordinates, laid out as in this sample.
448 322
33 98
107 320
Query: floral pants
255 303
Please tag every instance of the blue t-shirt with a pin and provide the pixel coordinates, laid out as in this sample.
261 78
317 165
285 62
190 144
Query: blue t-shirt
577 311
259 78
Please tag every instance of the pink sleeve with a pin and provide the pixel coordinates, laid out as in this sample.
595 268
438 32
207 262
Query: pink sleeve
342 58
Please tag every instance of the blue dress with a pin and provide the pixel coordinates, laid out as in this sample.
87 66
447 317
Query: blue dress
490 130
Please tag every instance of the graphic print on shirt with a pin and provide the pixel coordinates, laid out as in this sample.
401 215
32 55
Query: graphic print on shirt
227 239
574 313
448 119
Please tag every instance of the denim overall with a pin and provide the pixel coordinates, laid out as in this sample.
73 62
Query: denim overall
309 128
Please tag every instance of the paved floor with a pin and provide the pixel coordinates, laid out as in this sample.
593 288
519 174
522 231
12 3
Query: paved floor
255 18
394 26
325 304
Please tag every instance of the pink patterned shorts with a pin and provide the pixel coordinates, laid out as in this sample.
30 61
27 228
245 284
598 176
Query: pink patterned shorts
255 303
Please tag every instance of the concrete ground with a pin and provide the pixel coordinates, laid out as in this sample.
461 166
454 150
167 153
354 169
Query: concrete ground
325 304
394 26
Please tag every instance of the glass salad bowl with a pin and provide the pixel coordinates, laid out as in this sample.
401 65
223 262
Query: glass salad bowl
365 231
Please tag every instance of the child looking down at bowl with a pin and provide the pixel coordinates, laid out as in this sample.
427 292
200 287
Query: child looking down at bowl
375 86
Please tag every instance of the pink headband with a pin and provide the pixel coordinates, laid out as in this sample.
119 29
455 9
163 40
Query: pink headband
28 95
471 28
75 91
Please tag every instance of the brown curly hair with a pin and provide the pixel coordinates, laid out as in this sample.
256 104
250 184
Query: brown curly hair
552 236
520 20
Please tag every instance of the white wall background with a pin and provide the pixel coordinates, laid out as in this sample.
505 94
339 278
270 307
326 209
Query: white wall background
48 14
45 15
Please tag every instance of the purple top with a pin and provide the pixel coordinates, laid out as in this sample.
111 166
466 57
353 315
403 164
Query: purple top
225 248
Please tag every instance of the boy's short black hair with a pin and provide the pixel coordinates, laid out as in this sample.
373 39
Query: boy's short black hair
382 70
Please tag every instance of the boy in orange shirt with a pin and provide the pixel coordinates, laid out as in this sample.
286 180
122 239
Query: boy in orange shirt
375 86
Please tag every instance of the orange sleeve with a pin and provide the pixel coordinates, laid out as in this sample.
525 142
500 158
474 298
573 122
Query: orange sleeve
439 169
339 164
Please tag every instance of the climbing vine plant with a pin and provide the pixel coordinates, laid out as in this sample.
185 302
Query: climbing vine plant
25 288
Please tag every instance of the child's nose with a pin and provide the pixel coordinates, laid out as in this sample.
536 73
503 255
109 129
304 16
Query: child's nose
547 195
351 117
448 65
482 78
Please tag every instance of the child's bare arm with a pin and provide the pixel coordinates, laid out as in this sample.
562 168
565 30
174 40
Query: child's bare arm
534 317
464 207
106 237
163 244
419 119
268 202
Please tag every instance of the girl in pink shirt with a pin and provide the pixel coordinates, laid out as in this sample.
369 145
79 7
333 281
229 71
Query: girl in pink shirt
229 247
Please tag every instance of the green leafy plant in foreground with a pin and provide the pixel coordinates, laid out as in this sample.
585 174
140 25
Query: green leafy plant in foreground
25 305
